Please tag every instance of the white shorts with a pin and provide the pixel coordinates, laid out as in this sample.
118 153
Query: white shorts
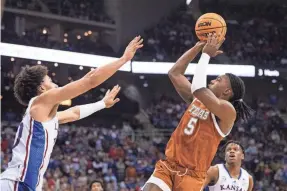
7 185
157 181
11 185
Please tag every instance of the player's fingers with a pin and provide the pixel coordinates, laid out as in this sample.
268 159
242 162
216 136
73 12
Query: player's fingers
209 37
134 40
114 88
219 52
113 91
108 92
214 40
116 100
137 39
139 46
140 41
116 91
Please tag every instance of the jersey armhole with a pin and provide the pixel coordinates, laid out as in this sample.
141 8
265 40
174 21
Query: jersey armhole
55 118
218 176
218 128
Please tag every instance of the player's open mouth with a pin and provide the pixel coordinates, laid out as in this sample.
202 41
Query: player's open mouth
232 156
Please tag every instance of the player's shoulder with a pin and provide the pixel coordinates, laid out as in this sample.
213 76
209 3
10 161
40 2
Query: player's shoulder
213 170
245 172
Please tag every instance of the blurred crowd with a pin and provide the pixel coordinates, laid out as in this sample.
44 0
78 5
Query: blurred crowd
255 34
123 161
35 37
115 153
85 9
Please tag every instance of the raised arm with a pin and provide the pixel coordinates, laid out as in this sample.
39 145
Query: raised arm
219 107
176 73
47 100
82 111
212 176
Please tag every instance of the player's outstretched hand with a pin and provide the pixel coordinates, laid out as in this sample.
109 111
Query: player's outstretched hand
110 97
133 46
212 45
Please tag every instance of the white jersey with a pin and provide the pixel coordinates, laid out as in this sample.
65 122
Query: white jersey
227 183
31 151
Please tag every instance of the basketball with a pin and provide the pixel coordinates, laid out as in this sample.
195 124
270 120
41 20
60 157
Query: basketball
210 23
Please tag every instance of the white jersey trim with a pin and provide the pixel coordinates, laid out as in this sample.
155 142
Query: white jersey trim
27 153
217 126
159 182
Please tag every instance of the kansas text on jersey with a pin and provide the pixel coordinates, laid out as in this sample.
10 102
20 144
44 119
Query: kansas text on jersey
226 183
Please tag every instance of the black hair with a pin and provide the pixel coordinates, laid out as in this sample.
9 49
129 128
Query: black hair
233 142
27 83
243 111
96 181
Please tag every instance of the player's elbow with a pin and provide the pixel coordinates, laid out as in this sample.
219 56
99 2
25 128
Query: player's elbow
172 74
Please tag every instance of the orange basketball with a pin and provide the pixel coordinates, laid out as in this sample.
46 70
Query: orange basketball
210 23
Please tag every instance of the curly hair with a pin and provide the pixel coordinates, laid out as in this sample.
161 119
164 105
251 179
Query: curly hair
27 83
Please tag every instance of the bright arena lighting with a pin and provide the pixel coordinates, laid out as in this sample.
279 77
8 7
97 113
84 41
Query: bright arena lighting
58 56
93 61
213 69
188 2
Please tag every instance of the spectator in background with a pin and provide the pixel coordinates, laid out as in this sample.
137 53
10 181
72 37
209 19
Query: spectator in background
96 185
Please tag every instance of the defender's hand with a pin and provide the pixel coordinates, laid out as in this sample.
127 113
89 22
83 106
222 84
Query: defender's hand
133 46
110 97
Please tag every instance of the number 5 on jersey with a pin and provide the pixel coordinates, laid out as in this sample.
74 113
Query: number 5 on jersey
190 126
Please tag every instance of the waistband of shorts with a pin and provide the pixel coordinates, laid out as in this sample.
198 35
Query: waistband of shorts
174 166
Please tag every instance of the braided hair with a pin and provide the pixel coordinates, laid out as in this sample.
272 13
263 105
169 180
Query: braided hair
243 111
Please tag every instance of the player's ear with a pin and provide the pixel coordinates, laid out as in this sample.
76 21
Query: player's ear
227 92
242 157
41 89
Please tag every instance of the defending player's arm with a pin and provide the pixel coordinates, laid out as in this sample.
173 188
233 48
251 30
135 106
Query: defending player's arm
176 73
90 80
251 183
221 108
212 176
82 111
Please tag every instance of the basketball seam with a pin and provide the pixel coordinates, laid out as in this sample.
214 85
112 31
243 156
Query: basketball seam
216 20
209 28
222 27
